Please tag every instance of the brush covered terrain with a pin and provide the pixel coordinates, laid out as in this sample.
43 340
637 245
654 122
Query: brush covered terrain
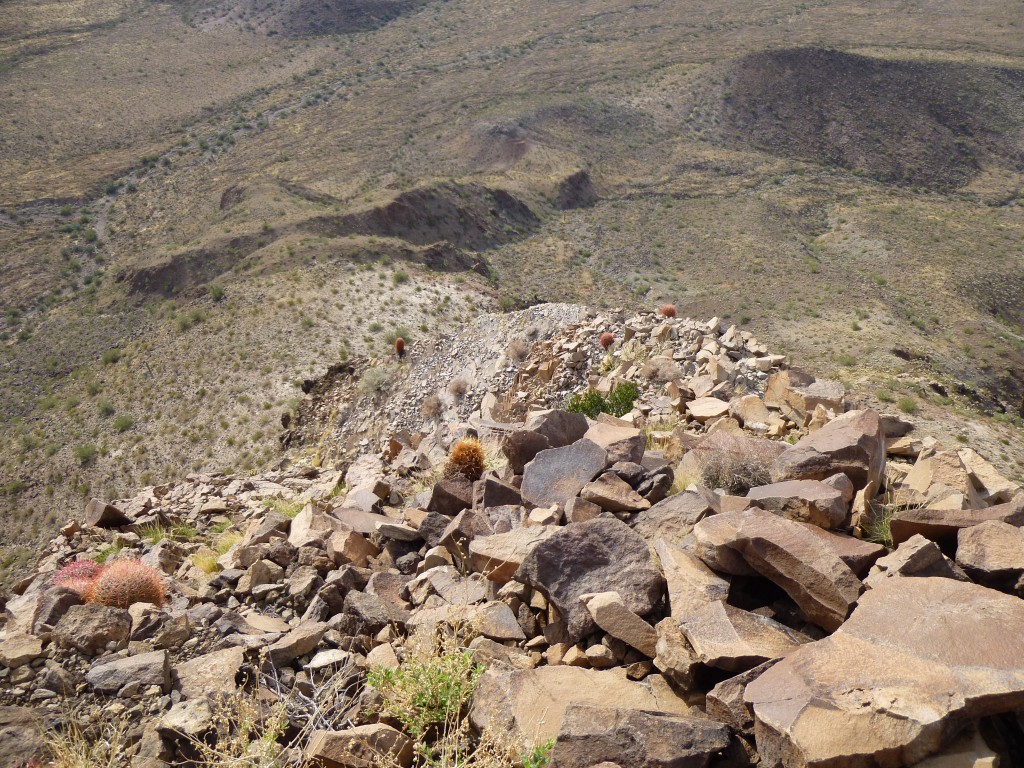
205 203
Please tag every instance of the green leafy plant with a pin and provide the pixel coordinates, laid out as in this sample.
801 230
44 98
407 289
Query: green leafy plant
618 403
428 694
540 755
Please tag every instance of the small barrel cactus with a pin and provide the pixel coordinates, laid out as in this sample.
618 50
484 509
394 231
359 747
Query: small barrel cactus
126 582
606 339
76 573
400 347
668 310
466 459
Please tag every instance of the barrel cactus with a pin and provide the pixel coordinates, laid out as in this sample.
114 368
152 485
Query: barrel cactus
668 310
466 459
123 583
606 339
76 572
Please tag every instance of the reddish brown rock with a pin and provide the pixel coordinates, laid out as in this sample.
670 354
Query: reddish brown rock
853 444
942 525
875 693
786 552
807 501
557 475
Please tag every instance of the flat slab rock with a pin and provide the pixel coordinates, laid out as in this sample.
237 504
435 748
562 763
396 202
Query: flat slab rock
635 738
798 557
942 525
916 659
529 705
558 474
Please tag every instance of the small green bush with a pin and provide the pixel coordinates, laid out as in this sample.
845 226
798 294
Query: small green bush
907 405
123 423
618 403
111 356
105 408
85 453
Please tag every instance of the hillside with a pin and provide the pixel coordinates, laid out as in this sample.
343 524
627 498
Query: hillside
705 555
207 202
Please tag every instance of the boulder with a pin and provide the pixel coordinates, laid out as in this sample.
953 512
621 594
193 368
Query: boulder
751 412
450 496
992 486
915 557
613 494
725 702
788 553
296 643
17 650
691 584
672 519
732 639
100 514
853 444
344 547
808 501
706 408
611 614
591 734
187 720
528 705
875 693
498 557
992 553
600 555
21 736
674 656
621 442
942 525
556 475
561 428
521 446
89 628
364 746
943 482
210 674
108 676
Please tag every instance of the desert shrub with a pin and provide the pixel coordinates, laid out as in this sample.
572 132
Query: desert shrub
661 370
518 350
375 380
123 583
400 277
622 398
123 423
216 292
287 507
428 694
105 408
466 459
85 453
618 403
907 405
431 408
668 310
392 336
458 387
111 356
737 469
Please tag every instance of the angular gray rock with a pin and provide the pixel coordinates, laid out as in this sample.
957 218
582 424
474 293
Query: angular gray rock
639 739
109 676
558 474
691 584
672 519
875 693
89 628
600 555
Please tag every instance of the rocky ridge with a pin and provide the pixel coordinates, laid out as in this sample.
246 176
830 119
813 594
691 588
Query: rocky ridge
741 569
